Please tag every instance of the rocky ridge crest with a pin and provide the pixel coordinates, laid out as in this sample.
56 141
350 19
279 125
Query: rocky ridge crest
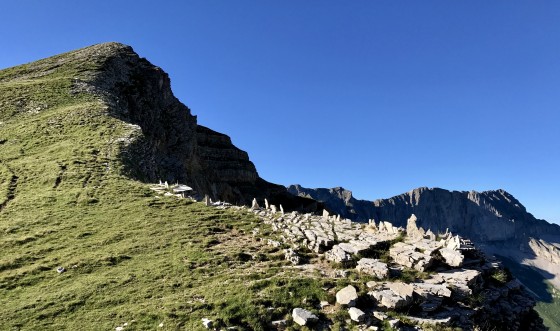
165 141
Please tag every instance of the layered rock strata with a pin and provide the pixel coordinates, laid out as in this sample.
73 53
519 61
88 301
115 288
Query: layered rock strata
164 141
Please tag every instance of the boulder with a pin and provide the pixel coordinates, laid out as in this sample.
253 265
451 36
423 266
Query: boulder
303 317
393 295
207 323
452 257
425 290
356 314
347 296
338 255
407 255
402 289
373 267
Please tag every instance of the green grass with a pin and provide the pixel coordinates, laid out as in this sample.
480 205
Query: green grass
129 255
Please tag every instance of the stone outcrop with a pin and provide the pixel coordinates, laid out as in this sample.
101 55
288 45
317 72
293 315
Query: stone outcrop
414 278
356 315
392 295
494 220
373 267
163 139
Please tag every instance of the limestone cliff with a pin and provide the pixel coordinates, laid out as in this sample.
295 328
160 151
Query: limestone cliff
481 216
338 201
165 142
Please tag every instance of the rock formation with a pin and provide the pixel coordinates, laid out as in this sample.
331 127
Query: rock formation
432 282
481 216
339 201
164 141
495 220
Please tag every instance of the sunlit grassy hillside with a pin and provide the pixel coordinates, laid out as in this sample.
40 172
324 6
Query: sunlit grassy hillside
130 257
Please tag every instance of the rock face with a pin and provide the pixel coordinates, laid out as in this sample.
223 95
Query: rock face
337 200
481 216
165 141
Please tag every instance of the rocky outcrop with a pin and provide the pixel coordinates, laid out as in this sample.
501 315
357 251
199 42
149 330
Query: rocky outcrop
163 139
495 220
414 275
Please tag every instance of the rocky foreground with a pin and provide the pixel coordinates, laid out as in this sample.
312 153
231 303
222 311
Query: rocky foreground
405 279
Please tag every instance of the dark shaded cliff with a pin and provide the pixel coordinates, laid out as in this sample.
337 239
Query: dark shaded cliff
165 141
338 201
481 216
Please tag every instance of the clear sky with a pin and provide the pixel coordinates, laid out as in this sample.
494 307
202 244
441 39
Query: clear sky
379 97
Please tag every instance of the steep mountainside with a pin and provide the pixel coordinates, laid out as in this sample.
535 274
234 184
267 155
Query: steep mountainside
162 140
484 217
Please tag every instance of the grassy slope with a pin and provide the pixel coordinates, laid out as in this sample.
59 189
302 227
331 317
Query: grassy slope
129 255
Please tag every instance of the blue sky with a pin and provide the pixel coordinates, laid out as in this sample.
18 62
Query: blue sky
379 97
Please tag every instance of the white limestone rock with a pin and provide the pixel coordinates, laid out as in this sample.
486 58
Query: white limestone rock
373 267
303 317
356 314
255 205
347 296
338 255
207 323
412 230
393 295
452 257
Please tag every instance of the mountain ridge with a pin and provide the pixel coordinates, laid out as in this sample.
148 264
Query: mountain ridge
90 241
165 141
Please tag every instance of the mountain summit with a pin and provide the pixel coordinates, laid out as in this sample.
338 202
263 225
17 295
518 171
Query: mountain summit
159 138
